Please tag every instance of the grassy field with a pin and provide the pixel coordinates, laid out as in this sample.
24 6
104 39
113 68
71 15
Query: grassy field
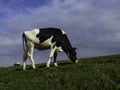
98 73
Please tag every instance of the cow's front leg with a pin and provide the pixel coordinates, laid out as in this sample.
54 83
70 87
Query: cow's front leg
55 56
50 57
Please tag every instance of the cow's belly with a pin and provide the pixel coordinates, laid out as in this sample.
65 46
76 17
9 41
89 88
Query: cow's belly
42 46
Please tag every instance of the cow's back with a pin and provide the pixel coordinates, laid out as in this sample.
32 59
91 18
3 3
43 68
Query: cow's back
46 33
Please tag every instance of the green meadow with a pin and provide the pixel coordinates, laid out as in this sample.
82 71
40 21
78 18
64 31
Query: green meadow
97 73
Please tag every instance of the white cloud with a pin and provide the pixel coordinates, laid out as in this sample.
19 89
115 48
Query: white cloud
6 41
78 15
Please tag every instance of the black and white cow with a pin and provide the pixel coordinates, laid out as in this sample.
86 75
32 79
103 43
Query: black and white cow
47 38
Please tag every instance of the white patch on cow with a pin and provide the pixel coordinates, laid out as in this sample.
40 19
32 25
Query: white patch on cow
59 49
63 32
31 35
44 45
47 42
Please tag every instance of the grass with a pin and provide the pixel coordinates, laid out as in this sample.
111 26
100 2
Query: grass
98 73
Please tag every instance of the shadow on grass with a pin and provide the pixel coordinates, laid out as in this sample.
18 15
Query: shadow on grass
65 63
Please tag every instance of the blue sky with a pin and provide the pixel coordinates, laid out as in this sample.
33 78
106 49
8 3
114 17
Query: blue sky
91 25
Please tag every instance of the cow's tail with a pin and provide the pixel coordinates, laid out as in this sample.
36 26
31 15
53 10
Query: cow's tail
24 42
25 47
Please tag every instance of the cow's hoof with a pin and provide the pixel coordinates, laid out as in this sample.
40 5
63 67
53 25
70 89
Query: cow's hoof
76 61
55 64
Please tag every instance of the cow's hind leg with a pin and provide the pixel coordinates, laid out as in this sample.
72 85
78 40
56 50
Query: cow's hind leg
55 56
25 55
30 54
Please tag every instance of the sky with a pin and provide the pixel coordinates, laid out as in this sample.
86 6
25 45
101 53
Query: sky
92 26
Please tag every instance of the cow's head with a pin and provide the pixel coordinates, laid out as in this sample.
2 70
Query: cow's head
73 55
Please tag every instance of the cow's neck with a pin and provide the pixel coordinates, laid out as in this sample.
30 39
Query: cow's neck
67 50
66 46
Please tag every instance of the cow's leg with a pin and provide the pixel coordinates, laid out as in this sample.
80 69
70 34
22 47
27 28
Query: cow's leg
30 54
25 55
55 56
50 57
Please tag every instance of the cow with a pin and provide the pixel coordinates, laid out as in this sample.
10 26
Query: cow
47 38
